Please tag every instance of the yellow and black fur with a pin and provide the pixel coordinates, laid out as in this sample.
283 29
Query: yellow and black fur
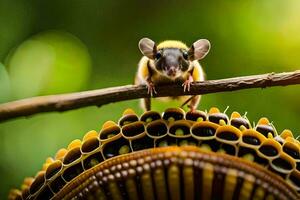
170 62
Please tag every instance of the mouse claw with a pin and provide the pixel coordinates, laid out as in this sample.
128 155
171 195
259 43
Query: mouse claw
151 88
187 85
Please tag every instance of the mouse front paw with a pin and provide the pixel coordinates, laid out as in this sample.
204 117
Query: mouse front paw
151 88
187 85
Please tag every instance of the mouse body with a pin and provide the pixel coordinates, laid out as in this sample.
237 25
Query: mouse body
171 62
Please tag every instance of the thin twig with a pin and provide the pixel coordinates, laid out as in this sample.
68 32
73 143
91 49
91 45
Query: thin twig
64 102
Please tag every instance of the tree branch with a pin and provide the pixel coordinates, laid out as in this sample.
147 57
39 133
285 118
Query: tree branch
64 102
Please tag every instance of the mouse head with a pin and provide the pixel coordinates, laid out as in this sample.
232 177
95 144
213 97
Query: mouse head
170 57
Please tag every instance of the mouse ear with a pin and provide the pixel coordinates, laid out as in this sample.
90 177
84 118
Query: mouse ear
199 49
147 47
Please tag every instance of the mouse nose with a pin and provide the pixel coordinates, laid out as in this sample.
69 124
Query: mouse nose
171 71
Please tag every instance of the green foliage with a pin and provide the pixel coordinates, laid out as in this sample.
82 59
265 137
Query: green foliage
96 47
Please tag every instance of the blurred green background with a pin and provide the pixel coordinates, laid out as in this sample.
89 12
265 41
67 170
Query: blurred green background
50 47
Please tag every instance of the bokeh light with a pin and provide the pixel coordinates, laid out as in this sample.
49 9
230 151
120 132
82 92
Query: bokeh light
58 62
5 87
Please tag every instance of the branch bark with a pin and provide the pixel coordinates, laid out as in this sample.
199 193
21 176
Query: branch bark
64 102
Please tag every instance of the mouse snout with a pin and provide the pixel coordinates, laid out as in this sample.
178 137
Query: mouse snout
171 71
171 65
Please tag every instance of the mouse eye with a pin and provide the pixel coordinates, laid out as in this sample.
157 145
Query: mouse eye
185 55
158 55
